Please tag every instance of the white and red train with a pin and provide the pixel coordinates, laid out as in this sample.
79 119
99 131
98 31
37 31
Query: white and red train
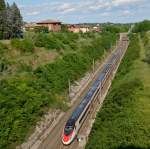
77 118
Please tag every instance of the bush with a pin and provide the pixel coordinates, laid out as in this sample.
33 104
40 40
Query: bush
27 46
24 68
24 45
47 41
16 43
73 65
4 64
142 26
41 29
128 60
3 48
146 42
117 28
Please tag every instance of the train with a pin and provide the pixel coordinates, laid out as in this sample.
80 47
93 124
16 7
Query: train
78 116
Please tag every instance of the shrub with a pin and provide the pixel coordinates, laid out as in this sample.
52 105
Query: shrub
3 48
4 64
27 46
24 45
16 43
146 42
39 29
24 67
142 26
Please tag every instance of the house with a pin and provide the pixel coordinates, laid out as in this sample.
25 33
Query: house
84 29
29 26
97 28
78 28
73 28
52 25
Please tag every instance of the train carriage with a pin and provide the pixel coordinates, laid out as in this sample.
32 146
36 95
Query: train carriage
79 115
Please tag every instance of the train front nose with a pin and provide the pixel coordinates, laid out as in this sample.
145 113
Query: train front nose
68 137
68 132
66 140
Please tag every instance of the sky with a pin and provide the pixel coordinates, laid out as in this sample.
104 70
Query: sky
84 11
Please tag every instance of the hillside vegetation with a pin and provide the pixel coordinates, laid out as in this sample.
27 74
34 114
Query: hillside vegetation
123 122
146 43
142 26
116 28
30 85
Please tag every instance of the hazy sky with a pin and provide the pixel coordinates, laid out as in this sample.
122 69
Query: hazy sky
79 11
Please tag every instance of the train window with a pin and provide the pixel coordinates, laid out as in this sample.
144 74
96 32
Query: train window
84 114
68 130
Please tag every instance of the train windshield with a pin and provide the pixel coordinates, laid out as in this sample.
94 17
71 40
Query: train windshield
69 127
68 130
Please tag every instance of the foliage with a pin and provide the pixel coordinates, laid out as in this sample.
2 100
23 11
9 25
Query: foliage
3 48
142 26
128 60
24 45
3 65
73 65
47 41
39 29
64 28
56 41
116 28
146 42
10 21
21 104
2 5
118 124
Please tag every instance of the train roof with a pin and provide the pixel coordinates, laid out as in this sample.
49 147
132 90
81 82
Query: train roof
87 98
90 93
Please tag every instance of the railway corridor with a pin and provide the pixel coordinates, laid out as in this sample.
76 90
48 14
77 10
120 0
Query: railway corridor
53 140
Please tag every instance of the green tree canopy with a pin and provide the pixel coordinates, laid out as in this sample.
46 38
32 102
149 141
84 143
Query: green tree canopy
10 21
2 5
16 20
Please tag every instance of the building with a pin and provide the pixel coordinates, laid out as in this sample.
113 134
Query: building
84 29
78 28
29 26
97 28
73 28
52 25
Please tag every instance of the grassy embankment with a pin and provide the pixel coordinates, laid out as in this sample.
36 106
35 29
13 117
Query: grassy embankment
124 120
31 83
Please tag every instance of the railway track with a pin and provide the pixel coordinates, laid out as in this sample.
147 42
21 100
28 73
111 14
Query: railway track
53 141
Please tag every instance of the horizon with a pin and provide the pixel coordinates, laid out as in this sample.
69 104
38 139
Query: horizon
78 11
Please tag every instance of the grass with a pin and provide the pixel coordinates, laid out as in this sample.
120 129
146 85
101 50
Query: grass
124 120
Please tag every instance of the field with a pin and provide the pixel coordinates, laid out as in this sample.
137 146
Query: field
123 122
34 74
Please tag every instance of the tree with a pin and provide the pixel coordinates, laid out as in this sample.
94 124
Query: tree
2 16
142 26
64 28
39 29
7 23
2 5
16 21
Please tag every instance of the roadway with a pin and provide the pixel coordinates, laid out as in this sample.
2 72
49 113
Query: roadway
53 140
